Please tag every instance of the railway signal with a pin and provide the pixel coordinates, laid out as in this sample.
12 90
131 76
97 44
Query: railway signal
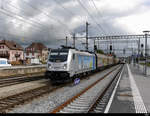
142 45
110 49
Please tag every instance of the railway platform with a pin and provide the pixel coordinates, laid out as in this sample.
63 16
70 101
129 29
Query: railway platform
132 93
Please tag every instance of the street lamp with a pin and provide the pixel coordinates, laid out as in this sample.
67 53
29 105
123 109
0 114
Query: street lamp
146 33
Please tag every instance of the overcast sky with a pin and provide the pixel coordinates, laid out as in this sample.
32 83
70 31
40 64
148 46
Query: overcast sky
49 21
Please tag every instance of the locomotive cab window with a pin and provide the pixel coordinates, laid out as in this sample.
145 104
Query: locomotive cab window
58 56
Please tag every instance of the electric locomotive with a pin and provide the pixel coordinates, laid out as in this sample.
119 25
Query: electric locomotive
66 64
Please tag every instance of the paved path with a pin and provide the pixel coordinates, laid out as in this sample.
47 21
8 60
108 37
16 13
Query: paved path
143 84
133 92
123 99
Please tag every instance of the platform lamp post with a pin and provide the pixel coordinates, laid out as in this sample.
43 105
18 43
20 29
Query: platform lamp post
142 46
138 53
146 34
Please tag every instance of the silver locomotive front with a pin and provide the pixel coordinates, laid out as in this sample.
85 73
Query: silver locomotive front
57 69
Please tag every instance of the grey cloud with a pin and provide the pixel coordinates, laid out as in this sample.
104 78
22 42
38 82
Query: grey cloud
50 32
31 7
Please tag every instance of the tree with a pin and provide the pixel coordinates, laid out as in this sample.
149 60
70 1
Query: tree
100 51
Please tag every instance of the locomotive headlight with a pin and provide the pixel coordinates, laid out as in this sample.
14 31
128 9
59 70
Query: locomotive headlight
65 66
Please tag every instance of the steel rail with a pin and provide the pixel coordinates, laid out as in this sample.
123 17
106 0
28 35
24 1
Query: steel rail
66 103
9 102
99 97
19 80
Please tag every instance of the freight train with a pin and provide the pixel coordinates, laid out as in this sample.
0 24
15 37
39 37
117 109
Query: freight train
67 64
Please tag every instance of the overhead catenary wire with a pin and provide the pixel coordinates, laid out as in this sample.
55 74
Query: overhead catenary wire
15 24
99 27
66 9
99 24
19 17
35 21
32 7
22 17
69 12
38 22
45 13
99 13
7 13
96 9
90 16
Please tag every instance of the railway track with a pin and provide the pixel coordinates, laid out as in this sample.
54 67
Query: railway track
91 99
10 102
18 80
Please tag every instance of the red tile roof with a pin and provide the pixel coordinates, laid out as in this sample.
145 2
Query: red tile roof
11 45
37 46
